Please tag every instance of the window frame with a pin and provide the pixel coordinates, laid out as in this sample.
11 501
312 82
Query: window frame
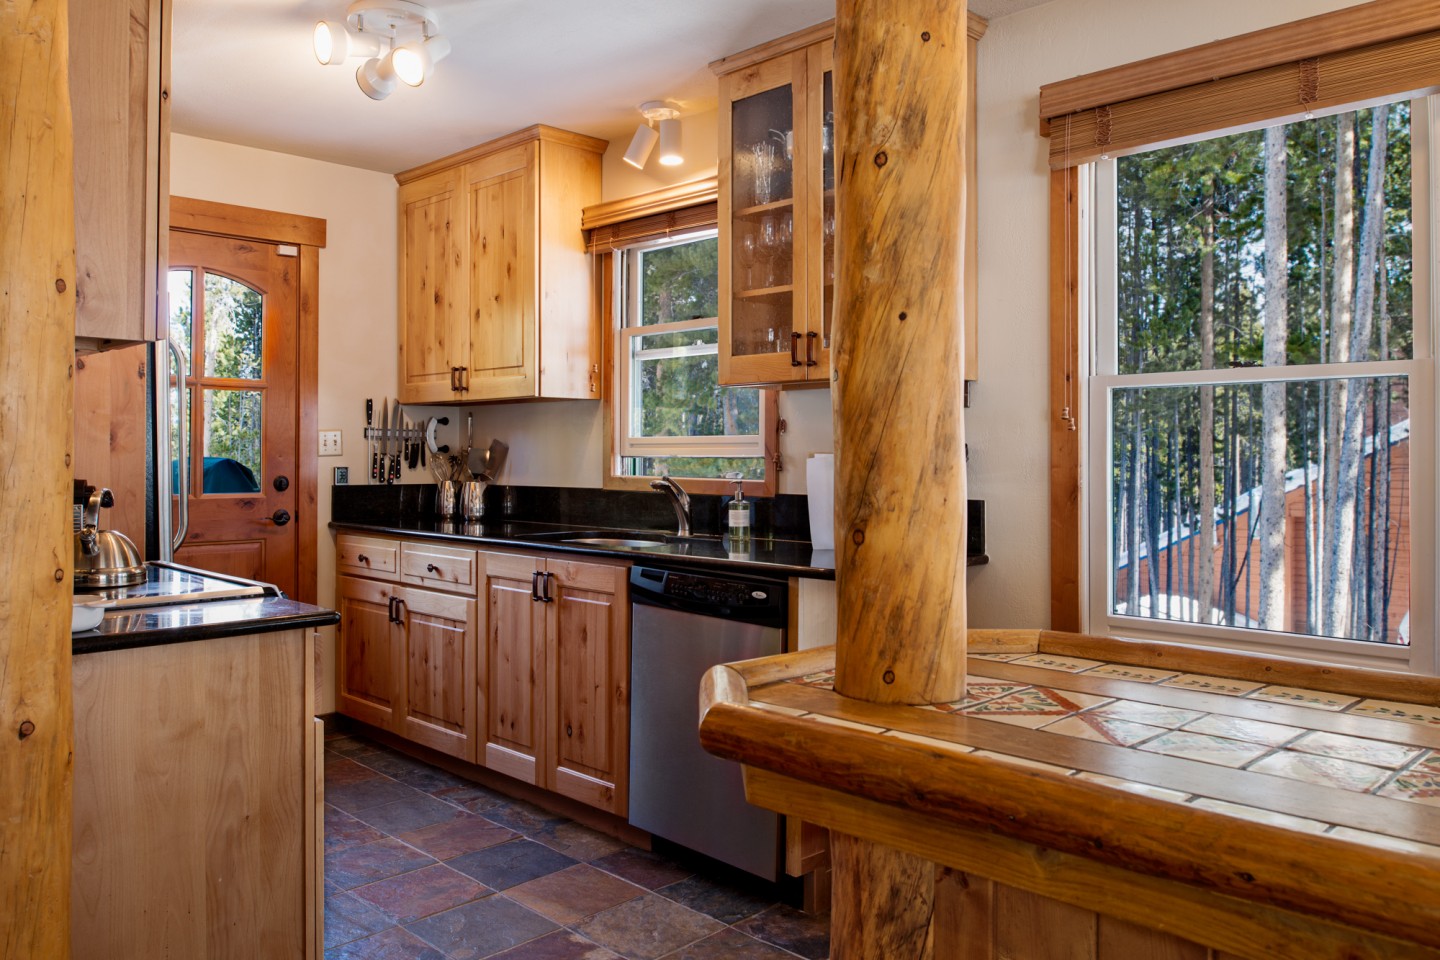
1096 265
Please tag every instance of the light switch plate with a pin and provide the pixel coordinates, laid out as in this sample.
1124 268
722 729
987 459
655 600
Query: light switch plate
342 476
329 443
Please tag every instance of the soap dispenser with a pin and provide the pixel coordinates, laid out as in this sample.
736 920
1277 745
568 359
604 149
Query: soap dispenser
738 514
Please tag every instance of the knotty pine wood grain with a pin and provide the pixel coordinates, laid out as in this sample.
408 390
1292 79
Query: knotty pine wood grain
885 908
37 330
900 79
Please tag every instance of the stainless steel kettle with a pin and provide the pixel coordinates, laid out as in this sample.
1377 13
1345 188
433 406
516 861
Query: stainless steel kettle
104 558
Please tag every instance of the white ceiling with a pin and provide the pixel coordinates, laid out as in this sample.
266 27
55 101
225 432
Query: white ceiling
243 71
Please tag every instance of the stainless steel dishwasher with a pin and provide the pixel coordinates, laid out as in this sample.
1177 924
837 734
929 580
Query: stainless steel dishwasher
681 624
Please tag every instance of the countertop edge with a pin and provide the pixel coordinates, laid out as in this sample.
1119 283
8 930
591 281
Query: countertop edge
93 641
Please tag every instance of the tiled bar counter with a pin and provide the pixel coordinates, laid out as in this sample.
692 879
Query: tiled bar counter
1122 799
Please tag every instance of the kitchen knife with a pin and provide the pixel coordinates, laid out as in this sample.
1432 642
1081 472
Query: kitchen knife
395 450
415 447
370 437
385 440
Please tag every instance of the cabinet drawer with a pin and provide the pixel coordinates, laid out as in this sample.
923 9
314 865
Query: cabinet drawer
367 556
432 565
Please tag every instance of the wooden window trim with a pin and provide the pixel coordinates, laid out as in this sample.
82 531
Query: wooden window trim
308 233
1382 49
1066 506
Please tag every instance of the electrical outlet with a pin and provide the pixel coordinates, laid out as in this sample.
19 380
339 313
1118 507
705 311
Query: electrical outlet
329 443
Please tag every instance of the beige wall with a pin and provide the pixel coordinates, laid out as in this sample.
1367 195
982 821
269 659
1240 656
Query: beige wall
357 294
1008 420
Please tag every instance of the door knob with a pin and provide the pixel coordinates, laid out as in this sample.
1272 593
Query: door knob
281 517
281 483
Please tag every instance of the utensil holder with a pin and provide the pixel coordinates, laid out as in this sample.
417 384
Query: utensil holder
445 498
472 500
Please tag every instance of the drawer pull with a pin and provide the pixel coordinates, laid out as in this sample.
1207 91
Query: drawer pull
362 559
431 568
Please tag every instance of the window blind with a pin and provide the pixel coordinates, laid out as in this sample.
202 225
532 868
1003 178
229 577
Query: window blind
1375 51
652 216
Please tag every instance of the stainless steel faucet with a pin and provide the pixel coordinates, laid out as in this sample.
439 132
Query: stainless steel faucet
679 499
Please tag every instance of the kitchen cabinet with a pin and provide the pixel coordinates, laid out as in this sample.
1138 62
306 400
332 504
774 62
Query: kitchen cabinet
197 778
495 298
555 675
407 653
777 210
120 105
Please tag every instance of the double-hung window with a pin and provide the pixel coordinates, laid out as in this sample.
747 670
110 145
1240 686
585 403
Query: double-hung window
1261 410
671 416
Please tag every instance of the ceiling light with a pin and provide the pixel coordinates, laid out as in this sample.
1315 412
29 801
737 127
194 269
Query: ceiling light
415 61
334 42
668 117
377 77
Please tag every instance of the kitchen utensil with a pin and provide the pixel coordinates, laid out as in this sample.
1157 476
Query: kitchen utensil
415 446
370 436
445 496
384 471
472 500
395 448
86 611
494 460
104 558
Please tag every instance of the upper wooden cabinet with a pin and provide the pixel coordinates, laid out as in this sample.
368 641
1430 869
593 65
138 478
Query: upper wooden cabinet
120 105
495 287
777 210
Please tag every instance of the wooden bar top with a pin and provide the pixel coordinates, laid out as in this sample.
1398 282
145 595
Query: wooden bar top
1278 783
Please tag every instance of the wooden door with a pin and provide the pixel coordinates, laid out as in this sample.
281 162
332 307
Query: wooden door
588 701
437 633
234 310
370 646
434 324
500 202
510 684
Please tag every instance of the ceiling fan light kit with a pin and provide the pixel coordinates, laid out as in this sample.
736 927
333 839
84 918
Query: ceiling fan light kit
667 117
399 40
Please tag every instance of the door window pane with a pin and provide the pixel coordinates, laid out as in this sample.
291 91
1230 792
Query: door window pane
1332 561
233 329
182 299
231 448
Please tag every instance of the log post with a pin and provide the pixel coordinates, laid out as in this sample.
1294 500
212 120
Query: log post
900 97
37 338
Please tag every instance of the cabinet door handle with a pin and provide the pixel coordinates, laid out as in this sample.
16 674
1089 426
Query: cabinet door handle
454 379
794 349
431 568
401 610
390 610
464 378
810 339
535 586
549 579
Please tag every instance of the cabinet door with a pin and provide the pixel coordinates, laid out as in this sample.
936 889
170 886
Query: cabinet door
510 683
819 153
370 664
433 307
500 201
587 730
119 72
438 640
763 314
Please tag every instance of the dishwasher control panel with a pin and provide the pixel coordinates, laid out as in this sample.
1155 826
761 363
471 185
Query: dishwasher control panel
709 590
727 596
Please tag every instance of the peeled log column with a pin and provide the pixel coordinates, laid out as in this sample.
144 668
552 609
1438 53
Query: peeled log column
900 87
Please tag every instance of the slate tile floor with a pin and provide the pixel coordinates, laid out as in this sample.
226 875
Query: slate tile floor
424 865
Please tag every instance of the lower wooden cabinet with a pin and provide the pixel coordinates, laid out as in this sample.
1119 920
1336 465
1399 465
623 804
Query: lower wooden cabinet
530 680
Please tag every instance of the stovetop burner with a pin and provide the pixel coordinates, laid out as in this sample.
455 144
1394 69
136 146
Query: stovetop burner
169 583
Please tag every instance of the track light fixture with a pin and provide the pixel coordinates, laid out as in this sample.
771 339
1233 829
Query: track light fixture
398 39
667 116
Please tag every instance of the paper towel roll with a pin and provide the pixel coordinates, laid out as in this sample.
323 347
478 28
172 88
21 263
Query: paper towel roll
820 489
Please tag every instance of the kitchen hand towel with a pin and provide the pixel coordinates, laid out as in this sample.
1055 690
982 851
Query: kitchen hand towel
820 490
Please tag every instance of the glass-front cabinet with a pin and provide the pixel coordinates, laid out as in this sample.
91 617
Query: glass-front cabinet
777 215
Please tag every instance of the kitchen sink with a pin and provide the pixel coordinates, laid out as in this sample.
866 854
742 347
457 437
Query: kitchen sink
619 543
648 541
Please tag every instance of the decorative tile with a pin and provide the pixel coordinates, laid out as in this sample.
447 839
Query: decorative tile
402 816
1381 840
1152 714
341 771
840 722
1066 664
343 830
1221 685
420 893
647 927
1325 771
1236 728
352 866
1206 749
347 918
825 679
1406 712
1132 786
1102 729
366 794
574 893
777 708
451 838
1419 784
507 864
998 657
480 928
1033 707
1123 671
928 741
1318 699
1258 815
979 690
1375 752
1025 762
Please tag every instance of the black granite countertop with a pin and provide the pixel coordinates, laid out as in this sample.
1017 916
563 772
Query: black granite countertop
150 626
784 558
